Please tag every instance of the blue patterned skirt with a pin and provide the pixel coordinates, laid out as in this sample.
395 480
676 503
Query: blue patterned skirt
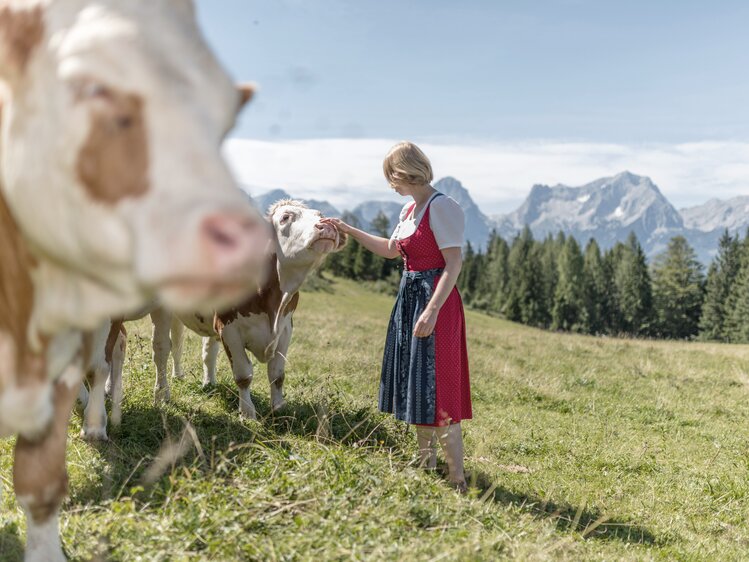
408 387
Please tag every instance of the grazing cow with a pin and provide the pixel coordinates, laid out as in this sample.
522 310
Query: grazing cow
113 192
261 325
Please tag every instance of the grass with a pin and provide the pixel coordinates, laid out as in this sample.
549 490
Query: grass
582 449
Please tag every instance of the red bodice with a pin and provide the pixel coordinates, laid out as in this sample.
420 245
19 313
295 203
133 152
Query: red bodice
420 250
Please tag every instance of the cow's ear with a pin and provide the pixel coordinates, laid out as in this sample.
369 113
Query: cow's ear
246 93
21 31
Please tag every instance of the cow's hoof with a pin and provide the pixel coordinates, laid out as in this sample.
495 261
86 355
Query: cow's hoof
247 412
94 434
278 406
178 374
161 396
208 387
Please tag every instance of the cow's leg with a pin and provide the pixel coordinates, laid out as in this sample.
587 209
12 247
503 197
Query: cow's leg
162 346
95 415
39 474
277 371
118 363
177 338
82 398
210 355
241 368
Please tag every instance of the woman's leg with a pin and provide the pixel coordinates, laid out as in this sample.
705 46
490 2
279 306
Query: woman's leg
425 436
451 439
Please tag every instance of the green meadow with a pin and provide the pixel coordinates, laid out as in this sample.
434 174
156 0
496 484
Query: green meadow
582 448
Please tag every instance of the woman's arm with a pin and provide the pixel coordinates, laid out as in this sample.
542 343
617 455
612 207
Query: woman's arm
376 244
428 319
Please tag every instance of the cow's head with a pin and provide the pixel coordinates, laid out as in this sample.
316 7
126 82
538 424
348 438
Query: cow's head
303 239
113 116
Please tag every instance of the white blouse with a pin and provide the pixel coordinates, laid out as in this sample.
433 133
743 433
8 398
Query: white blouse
446 220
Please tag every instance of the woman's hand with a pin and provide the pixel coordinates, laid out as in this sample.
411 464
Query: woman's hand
338 224
426 323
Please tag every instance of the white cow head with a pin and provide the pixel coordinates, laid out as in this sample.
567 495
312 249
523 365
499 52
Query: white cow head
303 241
113 112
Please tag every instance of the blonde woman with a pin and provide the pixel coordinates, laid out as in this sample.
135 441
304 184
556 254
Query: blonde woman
425 380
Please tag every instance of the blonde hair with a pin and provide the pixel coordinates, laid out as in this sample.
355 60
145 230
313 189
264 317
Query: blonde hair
406 163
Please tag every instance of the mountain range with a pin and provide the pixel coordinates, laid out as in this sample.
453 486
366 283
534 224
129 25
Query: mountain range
607 209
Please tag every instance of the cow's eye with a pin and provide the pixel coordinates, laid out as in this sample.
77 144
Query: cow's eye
286 217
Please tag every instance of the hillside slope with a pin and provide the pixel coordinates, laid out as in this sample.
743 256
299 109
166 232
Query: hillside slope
582 449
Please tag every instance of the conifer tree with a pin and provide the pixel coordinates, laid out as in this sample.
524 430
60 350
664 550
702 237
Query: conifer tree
549 251
492 283
678 290
631 278
468 274
568 306
364 264
525 294
595 290
720 278
736 322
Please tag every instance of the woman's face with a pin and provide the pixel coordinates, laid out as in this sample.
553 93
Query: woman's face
402 188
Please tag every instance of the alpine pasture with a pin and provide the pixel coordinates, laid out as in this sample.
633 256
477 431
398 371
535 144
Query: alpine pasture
582 448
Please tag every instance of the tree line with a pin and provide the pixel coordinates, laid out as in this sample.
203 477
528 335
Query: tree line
554 283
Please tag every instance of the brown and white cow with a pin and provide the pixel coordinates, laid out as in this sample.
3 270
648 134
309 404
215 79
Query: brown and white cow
113 192
261 325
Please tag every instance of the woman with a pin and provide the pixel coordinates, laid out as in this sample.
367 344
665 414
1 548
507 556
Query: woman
425 379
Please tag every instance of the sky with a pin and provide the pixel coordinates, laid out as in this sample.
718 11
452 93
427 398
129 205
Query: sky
502 94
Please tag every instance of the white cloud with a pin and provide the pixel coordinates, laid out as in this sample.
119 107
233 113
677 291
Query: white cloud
498 175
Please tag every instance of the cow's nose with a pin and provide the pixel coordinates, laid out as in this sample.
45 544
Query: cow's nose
234 242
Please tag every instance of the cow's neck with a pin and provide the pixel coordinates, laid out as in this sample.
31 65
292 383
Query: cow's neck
290 275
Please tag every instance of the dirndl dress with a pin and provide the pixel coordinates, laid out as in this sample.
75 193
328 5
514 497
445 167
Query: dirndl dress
425 381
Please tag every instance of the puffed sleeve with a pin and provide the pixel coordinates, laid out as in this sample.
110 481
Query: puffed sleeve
401 217
448 222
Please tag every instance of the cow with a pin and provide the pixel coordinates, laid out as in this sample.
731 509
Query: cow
113 193
262 324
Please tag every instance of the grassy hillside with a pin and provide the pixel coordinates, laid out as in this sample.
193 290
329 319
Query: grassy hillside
582 449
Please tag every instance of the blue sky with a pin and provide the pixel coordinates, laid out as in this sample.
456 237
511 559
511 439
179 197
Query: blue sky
633 74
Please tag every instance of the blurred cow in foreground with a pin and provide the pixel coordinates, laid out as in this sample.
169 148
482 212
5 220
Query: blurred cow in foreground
113 192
